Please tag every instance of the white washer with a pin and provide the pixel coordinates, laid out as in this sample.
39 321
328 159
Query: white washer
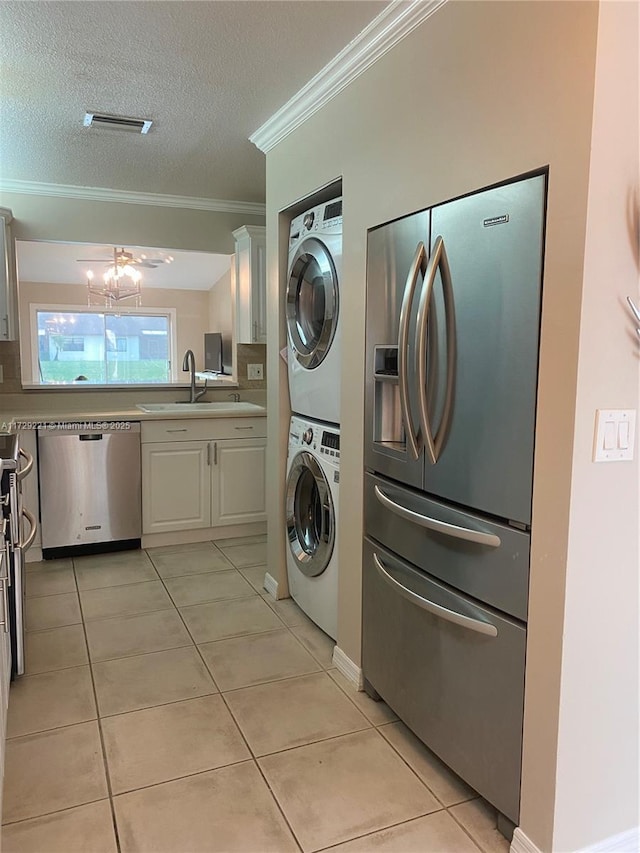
313 475
312 311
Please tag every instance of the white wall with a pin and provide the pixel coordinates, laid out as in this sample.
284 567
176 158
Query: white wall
480 92
597 792
70 220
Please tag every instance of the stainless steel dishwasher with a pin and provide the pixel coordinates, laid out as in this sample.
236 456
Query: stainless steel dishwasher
90 488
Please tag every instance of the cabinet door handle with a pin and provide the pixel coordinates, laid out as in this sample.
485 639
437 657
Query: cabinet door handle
248 427
209 453
184 429
215 452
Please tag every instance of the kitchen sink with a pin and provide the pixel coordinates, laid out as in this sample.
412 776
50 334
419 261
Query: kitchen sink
230 407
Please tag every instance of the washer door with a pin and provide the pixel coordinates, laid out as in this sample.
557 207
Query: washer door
312 303
310 515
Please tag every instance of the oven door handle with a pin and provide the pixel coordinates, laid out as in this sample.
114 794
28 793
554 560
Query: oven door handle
32 533
24 472
438 610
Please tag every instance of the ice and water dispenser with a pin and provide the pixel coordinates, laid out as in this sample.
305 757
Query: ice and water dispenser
388 428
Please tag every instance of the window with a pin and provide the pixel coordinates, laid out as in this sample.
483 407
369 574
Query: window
102 348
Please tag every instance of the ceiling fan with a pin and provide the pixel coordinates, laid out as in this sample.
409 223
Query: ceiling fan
122 258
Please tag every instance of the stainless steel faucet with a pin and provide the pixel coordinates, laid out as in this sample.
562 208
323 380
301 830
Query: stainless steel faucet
189 364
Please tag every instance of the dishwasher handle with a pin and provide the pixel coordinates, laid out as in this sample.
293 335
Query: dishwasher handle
92 436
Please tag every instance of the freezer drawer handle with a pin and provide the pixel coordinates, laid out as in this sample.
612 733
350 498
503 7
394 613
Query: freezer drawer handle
417 266
477 536
433 608
32 532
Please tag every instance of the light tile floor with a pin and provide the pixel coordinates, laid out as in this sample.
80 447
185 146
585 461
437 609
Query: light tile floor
171 705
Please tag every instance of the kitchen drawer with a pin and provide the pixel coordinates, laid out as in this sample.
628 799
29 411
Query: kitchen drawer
203 429
458 685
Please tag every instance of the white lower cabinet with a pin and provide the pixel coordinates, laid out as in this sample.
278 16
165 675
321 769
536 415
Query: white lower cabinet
191 480
238 481
176 486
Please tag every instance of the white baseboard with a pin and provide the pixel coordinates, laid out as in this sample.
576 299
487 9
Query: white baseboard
623 842
520 843
271 585
348 668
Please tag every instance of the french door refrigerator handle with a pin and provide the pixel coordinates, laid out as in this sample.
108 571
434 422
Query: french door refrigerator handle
403 341
477 536
438 610
437 260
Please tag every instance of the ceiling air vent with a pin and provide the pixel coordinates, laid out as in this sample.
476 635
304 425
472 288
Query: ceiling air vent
133 125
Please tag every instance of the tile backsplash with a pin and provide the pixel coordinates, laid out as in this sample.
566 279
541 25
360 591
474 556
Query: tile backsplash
10 363
251 354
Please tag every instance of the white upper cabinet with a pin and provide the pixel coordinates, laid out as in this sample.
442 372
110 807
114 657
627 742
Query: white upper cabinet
8 324
250 285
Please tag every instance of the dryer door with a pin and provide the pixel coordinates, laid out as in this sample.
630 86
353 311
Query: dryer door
312 303
310 515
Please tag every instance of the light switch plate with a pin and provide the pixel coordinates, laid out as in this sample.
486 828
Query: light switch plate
614 435
255 371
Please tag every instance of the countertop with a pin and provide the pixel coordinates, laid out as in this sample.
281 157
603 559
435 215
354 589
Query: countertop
10 421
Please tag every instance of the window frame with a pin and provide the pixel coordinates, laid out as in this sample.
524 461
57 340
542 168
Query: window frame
169 313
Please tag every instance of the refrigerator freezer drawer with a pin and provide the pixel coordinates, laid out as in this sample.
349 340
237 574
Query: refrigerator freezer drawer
491 562
459 685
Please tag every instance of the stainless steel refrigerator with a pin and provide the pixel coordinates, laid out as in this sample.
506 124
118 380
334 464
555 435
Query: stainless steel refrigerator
453 315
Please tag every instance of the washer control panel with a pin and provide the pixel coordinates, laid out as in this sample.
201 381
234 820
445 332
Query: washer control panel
316 437
330 444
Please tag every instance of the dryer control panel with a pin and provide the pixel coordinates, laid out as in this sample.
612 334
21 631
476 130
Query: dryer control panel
325 218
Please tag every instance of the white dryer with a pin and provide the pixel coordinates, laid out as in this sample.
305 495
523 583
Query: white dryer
312 311
313 475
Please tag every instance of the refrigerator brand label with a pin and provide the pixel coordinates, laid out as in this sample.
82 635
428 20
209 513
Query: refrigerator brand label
496 220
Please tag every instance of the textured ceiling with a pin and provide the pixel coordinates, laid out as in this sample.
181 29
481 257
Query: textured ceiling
208 73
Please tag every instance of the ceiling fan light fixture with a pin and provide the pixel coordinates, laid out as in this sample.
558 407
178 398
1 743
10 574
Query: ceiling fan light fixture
103 120
121 281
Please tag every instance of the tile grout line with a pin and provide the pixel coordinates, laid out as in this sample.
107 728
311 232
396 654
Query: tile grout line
375 831
463 827
253 757
241 733
99 721
57 811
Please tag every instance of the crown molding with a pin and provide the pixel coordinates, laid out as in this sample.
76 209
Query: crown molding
384 32
126 197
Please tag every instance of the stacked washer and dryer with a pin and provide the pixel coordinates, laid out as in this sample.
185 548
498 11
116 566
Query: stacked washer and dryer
313 463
